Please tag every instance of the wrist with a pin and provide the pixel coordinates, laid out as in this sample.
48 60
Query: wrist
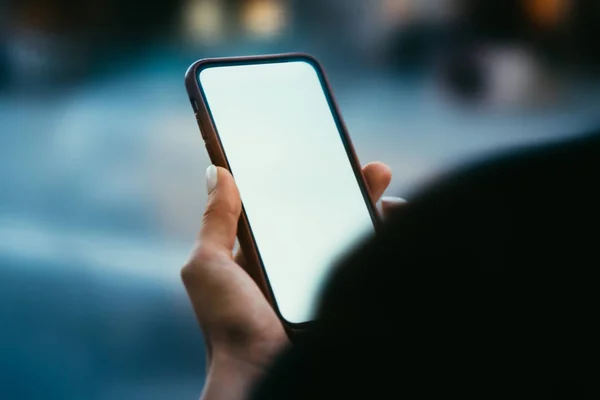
248 358
224 362
230 377
235 366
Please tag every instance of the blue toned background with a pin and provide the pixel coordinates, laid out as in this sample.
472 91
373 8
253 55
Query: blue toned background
102 166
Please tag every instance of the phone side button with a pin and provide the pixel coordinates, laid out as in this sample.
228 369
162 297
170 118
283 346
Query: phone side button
202 128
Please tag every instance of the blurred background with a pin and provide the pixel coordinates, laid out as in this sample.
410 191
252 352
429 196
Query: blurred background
102 165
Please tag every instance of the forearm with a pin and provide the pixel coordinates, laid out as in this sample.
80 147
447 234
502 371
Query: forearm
230 379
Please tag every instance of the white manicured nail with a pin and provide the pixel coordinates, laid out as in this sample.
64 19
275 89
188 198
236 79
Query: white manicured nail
212 175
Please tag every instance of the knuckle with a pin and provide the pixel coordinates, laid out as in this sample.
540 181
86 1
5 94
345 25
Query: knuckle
205 255
227 209
187 273
199 259
216 213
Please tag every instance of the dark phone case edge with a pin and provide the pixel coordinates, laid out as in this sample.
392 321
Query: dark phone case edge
217 156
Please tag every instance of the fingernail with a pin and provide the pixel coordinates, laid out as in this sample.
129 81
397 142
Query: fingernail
393 200
212 175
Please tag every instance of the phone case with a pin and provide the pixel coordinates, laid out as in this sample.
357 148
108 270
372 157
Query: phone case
218 157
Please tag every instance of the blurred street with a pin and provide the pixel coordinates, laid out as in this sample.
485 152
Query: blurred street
102 190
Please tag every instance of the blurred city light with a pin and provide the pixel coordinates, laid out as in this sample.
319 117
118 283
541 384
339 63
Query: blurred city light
396 11
548 13
102 178
204 20
265 18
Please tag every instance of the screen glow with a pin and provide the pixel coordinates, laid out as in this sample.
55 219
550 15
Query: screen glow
301 197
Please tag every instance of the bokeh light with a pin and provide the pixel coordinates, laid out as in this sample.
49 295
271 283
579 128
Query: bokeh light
102 166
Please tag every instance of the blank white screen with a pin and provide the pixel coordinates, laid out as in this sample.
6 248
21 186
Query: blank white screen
301 197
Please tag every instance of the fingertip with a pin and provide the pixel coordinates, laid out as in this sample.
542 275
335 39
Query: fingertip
393 200
225 193
382 171
223 172
391 204
378 177
219 179
212 178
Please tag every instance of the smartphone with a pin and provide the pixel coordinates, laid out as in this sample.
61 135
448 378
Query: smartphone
273 123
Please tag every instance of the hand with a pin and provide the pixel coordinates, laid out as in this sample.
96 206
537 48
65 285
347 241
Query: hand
241 330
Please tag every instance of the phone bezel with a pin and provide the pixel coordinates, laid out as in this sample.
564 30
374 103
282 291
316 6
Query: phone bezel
218 157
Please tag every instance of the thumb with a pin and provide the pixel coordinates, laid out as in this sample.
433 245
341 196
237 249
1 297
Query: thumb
219 223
